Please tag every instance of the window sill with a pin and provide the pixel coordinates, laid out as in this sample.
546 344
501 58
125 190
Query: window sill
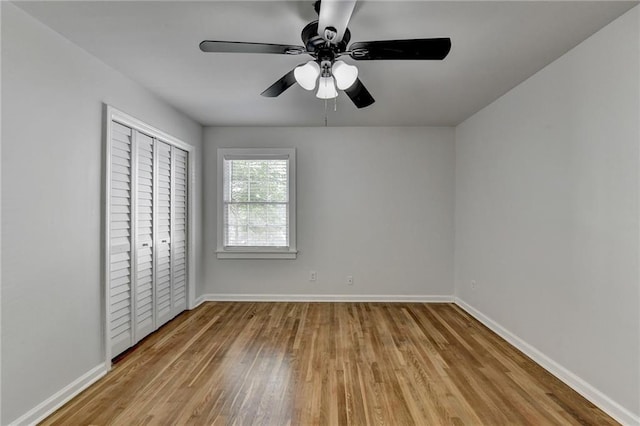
256 254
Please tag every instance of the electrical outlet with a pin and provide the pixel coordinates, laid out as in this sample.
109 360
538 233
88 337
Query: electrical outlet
473 284
349 279
313 276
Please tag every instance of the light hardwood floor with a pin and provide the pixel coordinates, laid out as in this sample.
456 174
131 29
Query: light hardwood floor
327 364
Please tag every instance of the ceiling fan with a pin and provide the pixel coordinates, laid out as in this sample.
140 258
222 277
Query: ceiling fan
325 40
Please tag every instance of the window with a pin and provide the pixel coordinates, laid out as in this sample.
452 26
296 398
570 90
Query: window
256 203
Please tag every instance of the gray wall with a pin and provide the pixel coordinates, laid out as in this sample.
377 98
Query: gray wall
52 123
547 217
375 203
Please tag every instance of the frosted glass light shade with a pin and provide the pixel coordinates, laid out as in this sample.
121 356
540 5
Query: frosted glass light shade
307 74
344 74
326 88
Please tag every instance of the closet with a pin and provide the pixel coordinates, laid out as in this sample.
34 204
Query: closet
147 235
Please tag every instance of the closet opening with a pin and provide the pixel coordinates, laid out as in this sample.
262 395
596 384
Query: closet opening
148 230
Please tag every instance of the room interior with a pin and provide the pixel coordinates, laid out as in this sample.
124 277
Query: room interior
504 179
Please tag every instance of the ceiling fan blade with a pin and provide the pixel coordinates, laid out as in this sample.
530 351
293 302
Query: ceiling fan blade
422 48
359 94
336 14
280 86
242 47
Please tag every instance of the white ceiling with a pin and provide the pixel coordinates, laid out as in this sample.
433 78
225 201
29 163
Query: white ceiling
495 46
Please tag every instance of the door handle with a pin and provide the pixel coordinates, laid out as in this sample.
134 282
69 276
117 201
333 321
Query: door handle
145 244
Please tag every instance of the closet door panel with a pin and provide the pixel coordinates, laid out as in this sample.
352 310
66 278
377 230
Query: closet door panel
179 230
120 280
144 283
163 233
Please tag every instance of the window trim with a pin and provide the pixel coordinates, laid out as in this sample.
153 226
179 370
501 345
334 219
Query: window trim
223 252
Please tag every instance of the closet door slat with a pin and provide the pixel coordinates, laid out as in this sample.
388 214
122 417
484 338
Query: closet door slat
179 231
144 318
163 241
120 283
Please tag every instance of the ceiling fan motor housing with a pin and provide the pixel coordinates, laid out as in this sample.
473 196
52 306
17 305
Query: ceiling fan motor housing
325 54
314 42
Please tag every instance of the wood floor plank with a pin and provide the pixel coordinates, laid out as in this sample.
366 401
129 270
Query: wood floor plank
327 364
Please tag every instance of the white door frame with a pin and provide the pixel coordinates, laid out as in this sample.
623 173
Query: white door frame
113 114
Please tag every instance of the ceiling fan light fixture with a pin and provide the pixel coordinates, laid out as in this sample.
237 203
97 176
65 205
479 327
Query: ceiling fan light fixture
327 88
344 74
307 74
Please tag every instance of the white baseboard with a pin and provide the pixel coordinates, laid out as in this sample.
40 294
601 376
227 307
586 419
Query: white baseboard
198 301
321 298
47 407
601 400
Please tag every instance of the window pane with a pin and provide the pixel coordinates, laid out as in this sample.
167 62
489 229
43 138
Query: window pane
277 214
258 236
278 181
259 191
239 190
237 235
278 191
257 214
237 214
278 235
258 169
239 170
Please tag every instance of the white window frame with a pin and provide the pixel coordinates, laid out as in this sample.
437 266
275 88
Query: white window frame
257 252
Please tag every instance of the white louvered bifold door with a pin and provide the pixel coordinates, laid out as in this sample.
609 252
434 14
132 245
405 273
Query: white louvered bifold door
147 242
163 234
120 233
144 287
179 230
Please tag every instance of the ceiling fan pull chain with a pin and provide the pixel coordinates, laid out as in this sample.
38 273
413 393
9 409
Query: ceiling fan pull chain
325 113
